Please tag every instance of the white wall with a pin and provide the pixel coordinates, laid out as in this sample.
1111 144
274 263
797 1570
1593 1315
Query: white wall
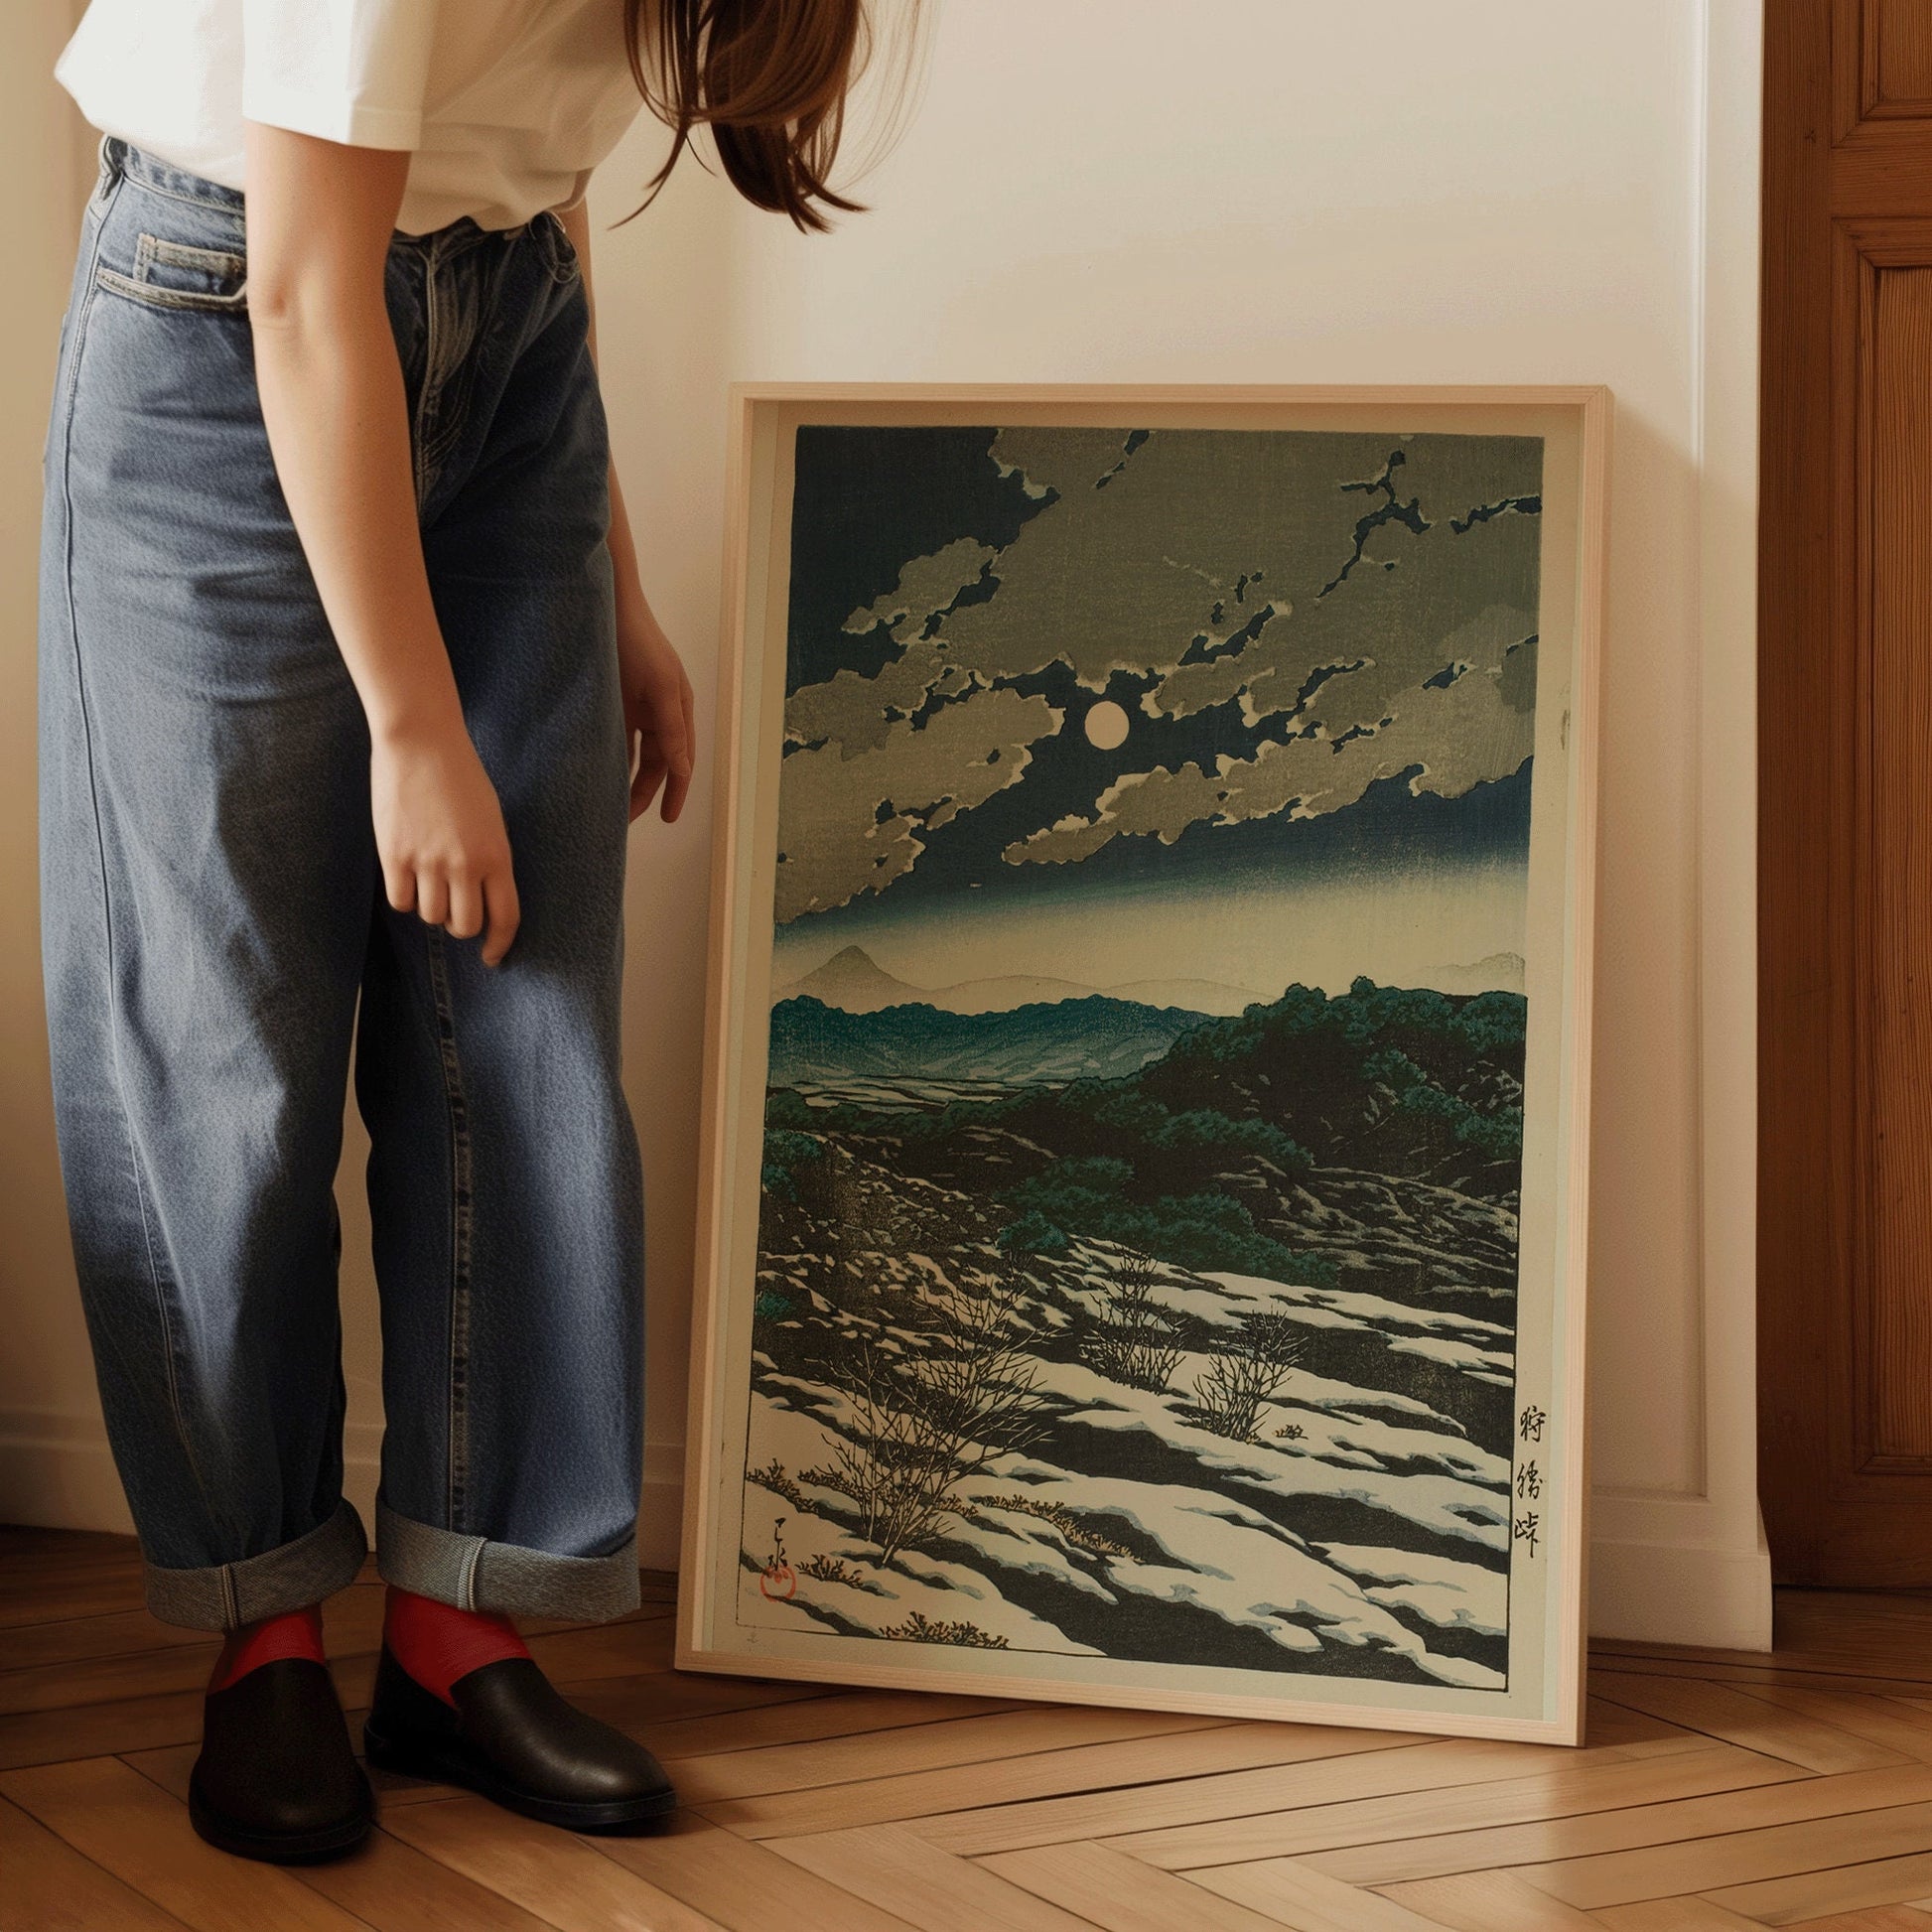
1281 191
53 1464
1249 191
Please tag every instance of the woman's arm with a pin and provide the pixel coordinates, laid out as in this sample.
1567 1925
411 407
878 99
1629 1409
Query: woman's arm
657 706
320 219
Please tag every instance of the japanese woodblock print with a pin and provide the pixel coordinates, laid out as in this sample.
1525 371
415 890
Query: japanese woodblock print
1145 1261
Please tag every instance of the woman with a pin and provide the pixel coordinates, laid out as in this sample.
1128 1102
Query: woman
346 679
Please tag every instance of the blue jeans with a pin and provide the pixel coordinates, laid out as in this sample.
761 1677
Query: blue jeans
217 942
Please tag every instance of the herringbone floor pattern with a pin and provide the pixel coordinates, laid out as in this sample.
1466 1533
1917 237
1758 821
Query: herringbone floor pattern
1714 1790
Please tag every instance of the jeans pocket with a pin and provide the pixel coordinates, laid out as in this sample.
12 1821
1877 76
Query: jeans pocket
176 275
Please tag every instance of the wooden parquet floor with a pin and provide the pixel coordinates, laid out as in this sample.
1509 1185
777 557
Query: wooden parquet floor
1714 1790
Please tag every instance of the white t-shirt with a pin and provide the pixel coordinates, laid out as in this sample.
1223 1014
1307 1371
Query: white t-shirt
506 104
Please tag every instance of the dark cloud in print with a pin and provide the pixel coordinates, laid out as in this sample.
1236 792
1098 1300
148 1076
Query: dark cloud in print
1297 625
865 503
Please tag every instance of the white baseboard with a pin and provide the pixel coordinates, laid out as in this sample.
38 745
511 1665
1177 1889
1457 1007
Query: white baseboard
1695 1593
56 1473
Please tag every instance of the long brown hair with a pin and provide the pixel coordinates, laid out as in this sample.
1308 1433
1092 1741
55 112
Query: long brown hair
768 77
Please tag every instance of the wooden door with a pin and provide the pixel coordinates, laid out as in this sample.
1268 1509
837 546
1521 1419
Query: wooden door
1845 1221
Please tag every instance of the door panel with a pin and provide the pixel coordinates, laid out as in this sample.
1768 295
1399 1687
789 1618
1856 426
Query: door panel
1895 58
1846 794
1895 386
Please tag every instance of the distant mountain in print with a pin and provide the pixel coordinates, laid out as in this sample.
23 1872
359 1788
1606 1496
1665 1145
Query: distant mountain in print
818 1045
855 982
1500 972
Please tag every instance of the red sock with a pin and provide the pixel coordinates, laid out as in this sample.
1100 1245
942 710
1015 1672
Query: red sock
435 1643
295 1633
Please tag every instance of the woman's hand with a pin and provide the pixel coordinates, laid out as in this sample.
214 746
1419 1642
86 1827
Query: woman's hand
440 836
658 709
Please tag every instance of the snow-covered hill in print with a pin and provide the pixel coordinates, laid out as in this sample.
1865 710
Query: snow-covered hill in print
1209 1360
1355 1530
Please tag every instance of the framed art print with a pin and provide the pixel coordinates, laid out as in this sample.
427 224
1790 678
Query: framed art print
1145 1152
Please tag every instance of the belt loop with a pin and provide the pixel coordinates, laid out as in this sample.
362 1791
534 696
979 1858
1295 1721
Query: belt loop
109 155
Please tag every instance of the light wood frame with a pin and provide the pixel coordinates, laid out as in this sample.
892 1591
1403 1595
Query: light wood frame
1587 413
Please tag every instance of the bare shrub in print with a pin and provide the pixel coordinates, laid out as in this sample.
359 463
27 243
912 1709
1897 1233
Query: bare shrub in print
1252 1371
1134 1341
932 1407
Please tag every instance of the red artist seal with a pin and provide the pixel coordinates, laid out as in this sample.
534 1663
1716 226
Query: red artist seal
777 1579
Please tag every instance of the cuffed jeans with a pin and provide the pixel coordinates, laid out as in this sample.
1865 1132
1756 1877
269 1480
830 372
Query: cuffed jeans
213 917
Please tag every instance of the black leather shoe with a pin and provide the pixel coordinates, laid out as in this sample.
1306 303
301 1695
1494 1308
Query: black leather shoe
512 1739
277 1778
